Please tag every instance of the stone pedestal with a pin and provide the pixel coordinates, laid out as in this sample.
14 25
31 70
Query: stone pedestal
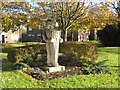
55 69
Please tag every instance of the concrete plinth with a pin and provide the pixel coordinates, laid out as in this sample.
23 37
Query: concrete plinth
55 69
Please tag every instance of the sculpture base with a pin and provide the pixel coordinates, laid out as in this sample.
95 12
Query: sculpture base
55 69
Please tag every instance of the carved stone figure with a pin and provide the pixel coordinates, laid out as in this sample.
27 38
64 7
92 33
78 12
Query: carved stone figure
52 38
53 49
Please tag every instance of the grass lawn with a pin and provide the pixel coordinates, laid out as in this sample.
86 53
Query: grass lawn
17 79
93 41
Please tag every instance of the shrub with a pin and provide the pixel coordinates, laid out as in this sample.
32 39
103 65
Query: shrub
76 53
20 65
109 36
35 73
39 62
95 68
26 54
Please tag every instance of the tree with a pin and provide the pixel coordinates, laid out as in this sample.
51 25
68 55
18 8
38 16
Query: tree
118 12
13 16
67 13
116 6
98 17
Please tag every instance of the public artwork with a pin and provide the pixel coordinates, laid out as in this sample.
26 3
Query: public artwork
52 38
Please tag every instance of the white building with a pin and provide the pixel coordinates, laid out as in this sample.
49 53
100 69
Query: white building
3 37
9 37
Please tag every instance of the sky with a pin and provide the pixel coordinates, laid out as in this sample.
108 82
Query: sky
96 2
58 0
33 2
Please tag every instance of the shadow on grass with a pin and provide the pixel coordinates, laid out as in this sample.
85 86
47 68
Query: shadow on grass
6 50
7 65
109 50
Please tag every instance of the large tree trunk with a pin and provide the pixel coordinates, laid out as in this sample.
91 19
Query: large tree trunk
72 35
64 35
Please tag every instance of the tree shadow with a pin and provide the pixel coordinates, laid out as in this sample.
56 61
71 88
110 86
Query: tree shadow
5 50
7 65
108 50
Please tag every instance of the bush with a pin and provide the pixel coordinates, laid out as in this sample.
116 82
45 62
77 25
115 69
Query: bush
20 65
35 73
74 54
77 53
26 54
39 62
95 68
109 36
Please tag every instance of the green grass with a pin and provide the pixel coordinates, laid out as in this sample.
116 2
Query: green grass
110 54
17 79
20 44
3 55
93 41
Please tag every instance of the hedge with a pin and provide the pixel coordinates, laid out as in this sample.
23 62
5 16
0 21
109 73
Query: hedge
73 53
26 53
76 53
